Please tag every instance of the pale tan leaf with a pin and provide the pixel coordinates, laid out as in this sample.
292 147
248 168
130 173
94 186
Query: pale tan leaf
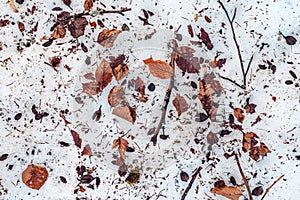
115 96
159 69
230 192
91 88
106 38
126 112
103 74
180 104
34 176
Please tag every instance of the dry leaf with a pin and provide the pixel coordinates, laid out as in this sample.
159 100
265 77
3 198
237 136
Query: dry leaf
133 177
238 113
250 108
77 26
230 192
119 67
122 146
249 141
59 32
186 61
12 6
218 63
106 38
180 104
21 26
205 39
115 96
184 176
91 88
76 138
139 86
88 4
126 112
87 150
34 176
159 68
103 74
206 99
260 150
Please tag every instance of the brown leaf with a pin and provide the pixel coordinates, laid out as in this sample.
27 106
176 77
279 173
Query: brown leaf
207 19
67 3
218 63
77 26
238 113
106 38
186 61
59 32
76 138
230 192
88 4
139 86
55 61
34 176
184 176
119 67
257 191
87 150
250 108
115 96
103 74
4 22
21 26
91 88
205 39
249 141
159 69
126 112
3 157
180 104
122 146
190 30
206 98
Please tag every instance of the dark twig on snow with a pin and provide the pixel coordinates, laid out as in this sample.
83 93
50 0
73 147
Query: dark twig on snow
269 188
191 183
243 175
166 102
244 72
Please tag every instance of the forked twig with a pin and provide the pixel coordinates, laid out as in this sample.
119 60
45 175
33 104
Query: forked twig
244 72
269 188
243 175
191 183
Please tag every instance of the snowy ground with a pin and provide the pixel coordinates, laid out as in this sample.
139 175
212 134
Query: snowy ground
27 80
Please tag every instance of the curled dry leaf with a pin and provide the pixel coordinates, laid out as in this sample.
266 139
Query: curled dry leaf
87 150
106 38
205 39
34 176
238 113
76 138
122 146
230 192
180 104
159 69
126 112
59 31
103 74
119 67
115 96
88 4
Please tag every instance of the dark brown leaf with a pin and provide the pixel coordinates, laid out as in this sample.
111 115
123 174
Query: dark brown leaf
159 69
190 30
207 19
83 47
20 1
290 40
18 116
293 74
55 61
76 138
63 179
67 3
48 43
106 38
225 132
186 61
288 82
180 104
205 39
257 191
4 22
21 26
119 67
77 26
250 108
126 112
3 157
184 176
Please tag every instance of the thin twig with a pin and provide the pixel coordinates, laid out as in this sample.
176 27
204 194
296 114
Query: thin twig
166 102
269 188
191 183
249 64
243 176
232 81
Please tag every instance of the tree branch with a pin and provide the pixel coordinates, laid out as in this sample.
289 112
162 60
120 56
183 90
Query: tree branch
232 81
191 183
269 188
243 175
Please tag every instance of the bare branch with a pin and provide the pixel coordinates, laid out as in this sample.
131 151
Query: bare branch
232 81
243 176
191 183
249 64
269 188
